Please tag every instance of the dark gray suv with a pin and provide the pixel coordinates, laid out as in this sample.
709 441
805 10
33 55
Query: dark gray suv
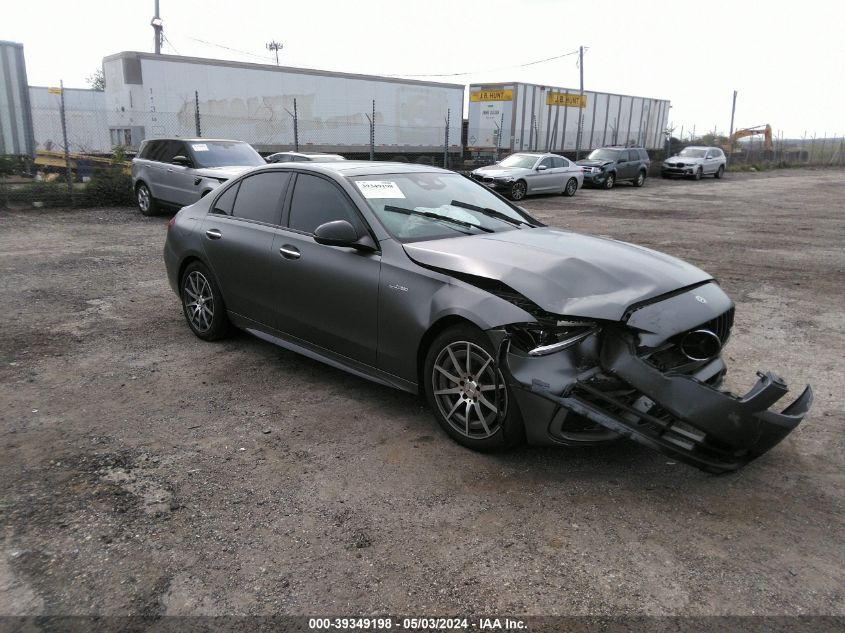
606 166
424 280
176 172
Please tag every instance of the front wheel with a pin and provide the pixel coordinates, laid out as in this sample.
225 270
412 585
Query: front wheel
639 181
518 190
147 205
719 172
570 188
467 392
610 181
203 304
698 174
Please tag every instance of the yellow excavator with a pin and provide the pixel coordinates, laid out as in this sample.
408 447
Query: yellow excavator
765 130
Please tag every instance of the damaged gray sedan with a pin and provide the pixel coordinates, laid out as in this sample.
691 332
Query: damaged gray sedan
513 331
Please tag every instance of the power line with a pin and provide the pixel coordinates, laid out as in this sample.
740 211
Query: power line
228 48
490 70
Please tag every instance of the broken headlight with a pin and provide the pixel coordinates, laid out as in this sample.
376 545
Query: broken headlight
548 337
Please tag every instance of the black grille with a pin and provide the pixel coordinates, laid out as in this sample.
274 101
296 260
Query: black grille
668 357
720 326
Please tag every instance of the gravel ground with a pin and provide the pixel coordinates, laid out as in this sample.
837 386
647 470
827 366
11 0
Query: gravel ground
146 472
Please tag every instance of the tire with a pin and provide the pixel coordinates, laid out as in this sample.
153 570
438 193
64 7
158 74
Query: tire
147 205
570 188
518 190
698 173
639 181
202 303
609 181
719 172
445 370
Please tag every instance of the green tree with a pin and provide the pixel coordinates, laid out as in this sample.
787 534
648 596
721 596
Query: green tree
97 81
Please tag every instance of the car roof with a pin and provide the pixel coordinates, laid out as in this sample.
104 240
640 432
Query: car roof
193 140
349 168
702 147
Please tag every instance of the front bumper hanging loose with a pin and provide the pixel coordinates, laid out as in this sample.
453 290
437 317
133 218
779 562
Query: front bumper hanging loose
686 418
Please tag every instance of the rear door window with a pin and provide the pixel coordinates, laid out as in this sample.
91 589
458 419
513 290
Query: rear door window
316 201
225 203
260 197
557 161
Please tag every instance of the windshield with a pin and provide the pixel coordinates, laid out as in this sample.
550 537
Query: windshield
525 161
224 154
408 205
604 154
693 153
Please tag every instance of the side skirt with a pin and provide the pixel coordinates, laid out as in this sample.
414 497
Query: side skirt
320 354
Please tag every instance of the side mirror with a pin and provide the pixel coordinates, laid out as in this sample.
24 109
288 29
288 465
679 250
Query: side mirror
342 233
184 161
542 168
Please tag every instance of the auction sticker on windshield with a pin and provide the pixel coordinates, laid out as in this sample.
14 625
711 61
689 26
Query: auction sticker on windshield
199 147
379 189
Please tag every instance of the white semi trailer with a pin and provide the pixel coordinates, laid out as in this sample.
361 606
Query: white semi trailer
150 96
520 117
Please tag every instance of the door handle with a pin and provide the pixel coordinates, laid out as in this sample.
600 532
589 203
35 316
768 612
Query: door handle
213 234
290 252
169 171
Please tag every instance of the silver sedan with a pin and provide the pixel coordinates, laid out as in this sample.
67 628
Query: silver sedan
528 173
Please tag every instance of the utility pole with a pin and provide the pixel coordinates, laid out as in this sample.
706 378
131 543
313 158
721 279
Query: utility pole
580 104
68 175
275 46
158 29
731 136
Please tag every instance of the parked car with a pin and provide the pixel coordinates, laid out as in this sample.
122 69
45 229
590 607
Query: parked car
176 172
421 279
606 166
302 157
695 162
527 173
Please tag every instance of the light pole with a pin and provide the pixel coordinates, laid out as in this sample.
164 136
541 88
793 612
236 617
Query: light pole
158 27
275 46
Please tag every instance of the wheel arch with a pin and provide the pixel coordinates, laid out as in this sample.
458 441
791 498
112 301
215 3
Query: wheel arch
441 325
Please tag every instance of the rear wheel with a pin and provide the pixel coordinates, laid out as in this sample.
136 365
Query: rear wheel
518 190
610 181
639 181
203 304
571 187
467 392
719 171
147 205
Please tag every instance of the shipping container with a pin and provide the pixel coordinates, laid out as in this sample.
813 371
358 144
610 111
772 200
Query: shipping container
15 113
150 96
527 117
85 117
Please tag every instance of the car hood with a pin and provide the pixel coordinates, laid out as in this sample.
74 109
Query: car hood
591 162
497 172
562 272
686 160
221 172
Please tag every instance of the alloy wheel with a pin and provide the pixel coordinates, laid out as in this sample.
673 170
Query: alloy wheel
464 383
199 301
143 199
518 190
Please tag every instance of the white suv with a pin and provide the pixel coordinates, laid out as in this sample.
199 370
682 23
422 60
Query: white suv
176 172
695 162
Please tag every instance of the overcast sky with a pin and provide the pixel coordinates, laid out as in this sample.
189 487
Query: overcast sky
786 59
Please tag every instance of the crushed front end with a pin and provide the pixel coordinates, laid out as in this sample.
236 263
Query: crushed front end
652 377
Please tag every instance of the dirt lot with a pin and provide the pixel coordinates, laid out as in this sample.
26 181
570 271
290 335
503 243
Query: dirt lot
147 472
